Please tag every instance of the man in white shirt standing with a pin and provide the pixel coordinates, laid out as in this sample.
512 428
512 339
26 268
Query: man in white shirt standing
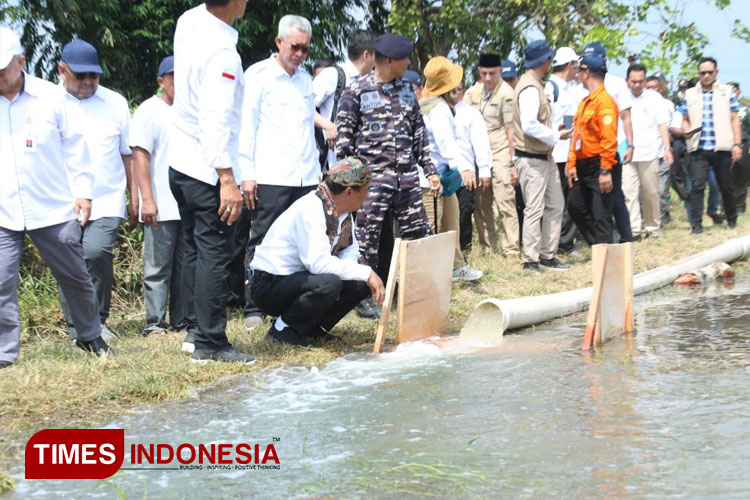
278 156
106 128
163 242
640 177
331 82
306 270
564 106
534 140
204 173
47 183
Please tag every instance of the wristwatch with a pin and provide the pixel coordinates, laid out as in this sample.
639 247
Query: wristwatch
605 171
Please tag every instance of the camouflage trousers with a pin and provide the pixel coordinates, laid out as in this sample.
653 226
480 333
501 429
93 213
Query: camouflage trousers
399 194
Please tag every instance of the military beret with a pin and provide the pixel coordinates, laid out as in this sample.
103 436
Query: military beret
489 60
394 46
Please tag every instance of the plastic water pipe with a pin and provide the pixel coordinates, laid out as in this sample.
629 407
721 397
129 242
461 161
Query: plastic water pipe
491 318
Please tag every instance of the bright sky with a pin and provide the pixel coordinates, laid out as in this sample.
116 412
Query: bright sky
730 52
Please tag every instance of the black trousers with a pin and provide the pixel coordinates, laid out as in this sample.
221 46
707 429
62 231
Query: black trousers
272 201
741 179
304 300
208 250
588 206
700 162
465 211
569 231
236 269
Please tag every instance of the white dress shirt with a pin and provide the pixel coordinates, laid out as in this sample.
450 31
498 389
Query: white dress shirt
561 107
528 104
209 83
620 92
151 124
324 88
277 145
473 139
647 113
44 161
297 241
106 129
445 149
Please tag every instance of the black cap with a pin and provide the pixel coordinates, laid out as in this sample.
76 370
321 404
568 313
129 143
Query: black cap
394 46
593 63
489 60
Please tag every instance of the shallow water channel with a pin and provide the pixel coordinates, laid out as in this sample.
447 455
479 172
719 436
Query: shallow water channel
664 414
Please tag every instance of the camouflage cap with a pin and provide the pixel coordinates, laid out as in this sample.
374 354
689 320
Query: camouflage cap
351 171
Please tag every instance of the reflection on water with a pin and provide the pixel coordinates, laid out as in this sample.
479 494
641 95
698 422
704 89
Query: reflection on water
665 414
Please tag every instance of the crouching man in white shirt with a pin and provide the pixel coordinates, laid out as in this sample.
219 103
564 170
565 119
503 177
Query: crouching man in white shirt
306 270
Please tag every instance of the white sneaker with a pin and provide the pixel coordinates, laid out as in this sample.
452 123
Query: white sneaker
465 273
187 345
252 322
107 334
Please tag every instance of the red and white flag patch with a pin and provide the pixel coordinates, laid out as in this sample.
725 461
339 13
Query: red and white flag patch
228 75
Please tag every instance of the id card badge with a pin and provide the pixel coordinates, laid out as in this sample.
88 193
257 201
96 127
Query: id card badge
578 144
30 143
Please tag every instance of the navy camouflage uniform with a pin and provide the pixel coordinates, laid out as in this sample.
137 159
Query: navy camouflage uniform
382 123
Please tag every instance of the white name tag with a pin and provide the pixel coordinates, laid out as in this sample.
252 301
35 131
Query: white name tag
578 144
369 100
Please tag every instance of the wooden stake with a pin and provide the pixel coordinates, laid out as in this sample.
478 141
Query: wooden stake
390 286
627 270
599 263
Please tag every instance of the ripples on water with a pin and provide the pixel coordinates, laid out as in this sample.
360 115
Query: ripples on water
664 414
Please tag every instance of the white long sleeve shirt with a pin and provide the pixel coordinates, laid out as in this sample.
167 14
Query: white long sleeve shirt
473 138
209 86
561 107
44 160
277 139
297 241
106 129
618 88
445 149
528 103
150 132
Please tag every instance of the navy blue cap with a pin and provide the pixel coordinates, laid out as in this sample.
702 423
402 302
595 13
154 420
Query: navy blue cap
593 63
394 46
166 66
81 56
510 69
596 49
413 77
537 53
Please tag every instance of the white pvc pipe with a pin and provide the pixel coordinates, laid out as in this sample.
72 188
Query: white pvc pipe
491 318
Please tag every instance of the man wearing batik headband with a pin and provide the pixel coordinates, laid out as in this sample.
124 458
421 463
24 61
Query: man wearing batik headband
306 270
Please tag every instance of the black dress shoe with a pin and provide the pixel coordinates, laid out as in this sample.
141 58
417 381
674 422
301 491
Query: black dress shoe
717 218
286 336
98 346
4 363
696 230
320 335
533 267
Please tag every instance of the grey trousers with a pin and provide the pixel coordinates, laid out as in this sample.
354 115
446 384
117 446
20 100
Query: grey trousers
60 247
664 196
163 250
98 238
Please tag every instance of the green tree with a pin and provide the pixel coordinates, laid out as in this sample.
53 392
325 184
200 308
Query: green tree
132 36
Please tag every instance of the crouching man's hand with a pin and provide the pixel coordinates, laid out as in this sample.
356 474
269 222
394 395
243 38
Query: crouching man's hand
376 287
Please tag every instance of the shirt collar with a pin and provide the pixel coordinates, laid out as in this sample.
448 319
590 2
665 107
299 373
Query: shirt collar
274 63
595 93
350 69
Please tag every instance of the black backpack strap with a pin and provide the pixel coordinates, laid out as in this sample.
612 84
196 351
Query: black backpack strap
340 84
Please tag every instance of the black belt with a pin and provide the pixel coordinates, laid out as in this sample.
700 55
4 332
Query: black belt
524 154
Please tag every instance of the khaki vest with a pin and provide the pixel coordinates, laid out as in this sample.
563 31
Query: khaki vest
722 115
520 140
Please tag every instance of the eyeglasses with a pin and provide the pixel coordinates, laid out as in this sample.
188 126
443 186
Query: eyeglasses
706 73
298 47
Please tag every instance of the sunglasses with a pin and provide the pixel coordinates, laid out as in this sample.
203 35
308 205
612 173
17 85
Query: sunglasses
705 73
298 47
86 74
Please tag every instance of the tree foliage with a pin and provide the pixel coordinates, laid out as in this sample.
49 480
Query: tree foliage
461 29
132 36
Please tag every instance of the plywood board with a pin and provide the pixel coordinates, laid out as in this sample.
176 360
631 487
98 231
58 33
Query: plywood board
390 286
592 335
425 270
615 314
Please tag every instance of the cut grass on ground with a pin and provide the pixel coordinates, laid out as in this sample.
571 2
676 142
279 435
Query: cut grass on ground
54 385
